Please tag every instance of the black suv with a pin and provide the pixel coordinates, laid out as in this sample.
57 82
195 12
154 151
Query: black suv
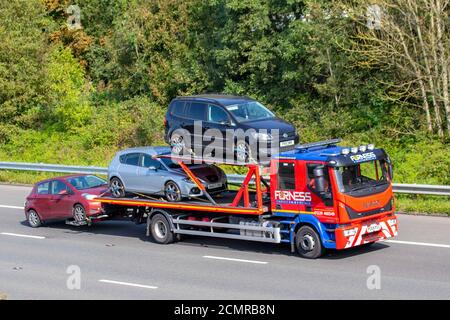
228 113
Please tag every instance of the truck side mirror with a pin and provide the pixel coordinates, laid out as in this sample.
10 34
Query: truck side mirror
390 168
319 179
391 171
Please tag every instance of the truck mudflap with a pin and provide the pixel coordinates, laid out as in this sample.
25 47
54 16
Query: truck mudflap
367 231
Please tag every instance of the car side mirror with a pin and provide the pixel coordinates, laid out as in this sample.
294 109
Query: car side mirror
226 122
63 192
153 168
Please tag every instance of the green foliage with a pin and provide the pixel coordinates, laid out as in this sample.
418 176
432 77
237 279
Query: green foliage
423 204
66 97
134 122
22 59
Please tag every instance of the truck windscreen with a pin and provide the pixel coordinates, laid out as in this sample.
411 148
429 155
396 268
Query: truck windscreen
363 178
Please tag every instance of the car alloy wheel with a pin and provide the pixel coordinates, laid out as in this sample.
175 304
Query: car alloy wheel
243 152
177 143
172 192
117 189
33 219
79 213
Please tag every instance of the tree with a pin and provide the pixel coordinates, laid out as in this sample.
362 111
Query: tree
411 42
23 51
151 53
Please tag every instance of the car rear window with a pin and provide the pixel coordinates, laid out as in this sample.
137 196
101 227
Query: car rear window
131 159
177 108
197 111
43 188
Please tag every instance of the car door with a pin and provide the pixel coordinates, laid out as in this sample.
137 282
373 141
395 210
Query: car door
215 128
129 171
150 175
42 200
195 115
61 200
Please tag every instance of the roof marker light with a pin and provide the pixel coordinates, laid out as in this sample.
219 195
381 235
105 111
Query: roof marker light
345 151
370 146
362 148
354 149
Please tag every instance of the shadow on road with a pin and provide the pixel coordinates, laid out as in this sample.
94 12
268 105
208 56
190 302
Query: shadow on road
125 228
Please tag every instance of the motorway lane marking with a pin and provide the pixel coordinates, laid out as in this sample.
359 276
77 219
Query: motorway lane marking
127 284
11 207
233 259
419 243
21 235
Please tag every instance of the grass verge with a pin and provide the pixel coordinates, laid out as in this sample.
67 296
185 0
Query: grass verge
412 204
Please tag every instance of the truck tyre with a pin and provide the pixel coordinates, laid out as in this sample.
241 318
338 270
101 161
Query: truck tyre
308 243
160 229
33 219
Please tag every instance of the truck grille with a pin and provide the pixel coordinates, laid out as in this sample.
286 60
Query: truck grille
355 214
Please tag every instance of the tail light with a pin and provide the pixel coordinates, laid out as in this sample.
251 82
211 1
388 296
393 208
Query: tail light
165 122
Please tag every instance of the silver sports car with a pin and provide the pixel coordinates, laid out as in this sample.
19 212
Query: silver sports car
136 171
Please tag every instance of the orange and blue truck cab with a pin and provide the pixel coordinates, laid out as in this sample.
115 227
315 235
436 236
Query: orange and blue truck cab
345 194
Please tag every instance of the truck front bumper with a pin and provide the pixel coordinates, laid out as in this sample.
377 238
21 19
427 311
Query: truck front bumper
367 231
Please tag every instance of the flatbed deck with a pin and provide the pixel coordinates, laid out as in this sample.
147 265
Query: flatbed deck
224 204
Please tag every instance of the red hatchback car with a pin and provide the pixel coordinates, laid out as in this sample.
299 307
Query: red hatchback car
64 198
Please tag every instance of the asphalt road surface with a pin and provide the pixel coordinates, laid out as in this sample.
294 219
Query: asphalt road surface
114 260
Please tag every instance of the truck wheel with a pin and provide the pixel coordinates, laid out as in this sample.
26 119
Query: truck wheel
117 188
308 243
160 229
33 219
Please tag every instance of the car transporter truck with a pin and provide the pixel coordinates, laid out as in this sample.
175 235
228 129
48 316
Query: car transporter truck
317 196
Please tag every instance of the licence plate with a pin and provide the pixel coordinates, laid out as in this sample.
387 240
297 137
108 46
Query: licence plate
214 185
373 228
287 143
